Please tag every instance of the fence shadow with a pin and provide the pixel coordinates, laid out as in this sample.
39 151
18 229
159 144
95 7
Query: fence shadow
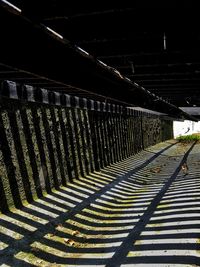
86 222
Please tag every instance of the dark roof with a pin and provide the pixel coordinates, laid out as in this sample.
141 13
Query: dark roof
156 47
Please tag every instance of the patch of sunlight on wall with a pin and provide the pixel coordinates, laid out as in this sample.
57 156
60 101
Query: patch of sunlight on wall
185 127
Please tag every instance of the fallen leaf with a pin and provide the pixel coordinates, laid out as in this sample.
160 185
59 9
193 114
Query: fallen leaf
59 225
34 249
75 232
156 170
69 241
51 234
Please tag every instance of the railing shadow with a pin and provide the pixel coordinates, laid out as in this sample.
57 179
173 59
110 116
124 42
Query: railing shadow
84 223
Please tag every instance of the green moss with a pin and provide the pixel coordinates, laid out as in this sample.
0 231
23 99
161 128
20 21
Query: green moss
133 254
189 138
30 258
163 206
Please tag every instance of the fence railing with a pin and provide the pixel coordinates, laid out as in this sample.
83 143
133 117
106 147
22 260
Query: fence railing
48 139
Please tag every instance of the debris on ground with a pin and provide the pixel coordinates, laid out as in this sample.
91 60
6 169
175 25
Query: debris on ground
69 241
75 232
155 170
184 168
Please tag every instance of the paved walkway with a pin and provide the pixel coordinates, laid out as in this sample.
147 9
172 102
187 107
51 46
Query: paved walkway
143 211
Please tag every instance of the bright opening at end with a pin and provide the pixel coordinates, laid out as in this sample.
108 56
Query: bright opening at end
185 128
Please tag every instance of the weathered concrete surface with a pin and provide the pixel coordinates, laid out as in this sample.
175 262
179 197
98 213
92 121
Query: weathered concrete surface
142 211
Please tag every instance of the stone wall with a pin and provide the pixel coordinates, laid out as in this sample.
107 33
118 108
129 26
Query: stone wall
43 146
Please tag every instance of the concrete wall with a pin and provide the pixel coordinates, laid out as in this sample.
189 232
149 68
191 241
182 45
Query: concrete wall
185 127
43 146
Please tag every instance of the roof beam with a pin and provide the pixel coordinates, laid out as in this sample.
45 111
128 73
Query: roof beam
59 60
180 85
155 58
156 65
137 36
170 81
93 13
158 76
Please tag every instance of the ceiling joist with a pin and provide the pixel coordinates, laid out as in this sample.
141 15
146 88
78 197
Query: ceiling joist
162 56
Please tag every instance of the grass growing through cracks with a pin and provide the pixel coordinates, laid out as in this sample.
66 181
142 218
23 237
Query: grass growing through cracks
188 138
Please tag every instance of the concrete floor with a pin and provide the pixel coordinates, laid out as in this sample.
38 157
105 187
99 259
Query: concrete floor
144 211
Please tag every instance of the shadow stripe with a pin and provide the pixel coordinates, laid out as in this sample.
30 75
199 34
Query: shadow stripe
50 227
120 255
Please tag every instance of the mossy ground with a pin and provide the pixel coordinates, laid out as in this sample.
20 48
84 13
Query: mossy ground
189 138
